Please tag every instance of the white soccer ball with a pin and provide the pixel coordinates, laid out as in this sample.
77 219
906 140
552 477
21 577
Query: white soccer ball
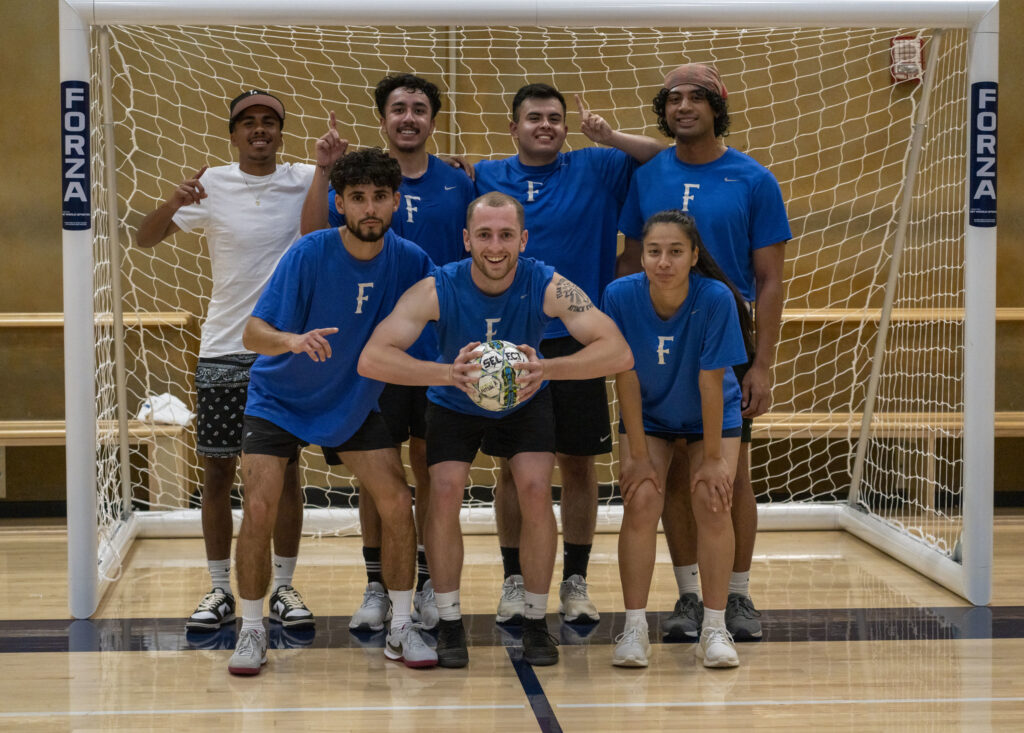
496 387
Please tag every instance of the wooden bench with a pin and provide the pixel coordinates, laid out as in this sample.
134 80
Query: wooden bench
165 448
168 467
928 427
149 319
858 315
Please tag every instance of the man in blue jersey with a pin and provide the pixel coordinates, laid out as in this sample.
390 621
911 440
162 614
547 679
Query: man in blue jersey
326 295
740 215
572 202
493 295
432 213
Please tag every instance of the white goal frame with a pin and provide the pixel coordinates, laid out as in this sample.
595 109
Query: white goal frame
971 577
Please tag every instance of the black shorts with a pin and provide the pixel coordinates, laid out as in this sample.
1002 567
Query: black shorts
582 424
222 385
405 411
265 438
741 371
672 437
456 436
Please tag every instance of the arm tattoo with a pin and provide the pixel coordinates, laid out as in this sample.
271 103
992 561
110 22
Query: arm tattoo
578 301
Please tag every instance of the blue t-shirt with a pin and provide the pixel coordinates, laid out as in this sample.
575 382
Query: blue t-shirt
431 213
468 314
735 201
318 284
572 211
669 354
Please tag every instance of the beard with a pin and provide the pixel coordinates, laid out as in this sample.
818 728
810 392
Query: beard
364 235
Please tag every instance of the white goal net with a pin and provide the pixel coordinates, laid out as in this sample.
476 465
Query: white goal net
817 106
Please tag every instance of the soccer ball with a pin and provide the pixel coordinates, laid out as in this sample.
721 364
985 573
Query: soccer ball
496 387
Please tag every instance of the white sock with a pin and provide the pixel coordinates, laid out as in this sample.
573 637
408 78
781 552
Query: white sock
284 569
687 579
401 607
535 605
252 613
636 617
220 574
448 605
740 583
714 619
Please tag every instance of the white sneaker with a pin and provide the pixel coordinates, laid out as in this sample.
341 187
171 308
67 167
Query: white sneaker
632 647
424 607
406 645
250 652
375 610
512 604
716 648
574 602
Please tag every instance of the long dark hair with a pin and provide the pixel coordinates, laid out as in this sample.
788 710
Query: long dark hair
706 265
718 105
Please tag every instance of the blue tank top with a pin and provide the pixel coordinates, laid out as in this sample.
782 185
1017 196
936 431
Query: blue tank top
468 314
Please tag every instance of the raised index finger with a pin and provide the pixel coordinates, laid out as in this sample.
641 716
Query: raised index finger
580 106
201 172
332 122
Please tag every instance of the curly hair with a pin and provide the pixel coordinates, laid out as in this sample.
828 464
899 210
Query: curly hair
706 264
371 165
718 105
406 81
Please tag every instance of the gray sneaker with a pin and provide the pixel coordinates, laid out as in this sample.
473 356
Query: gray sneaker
511 605
741 618
424 607
375 610
686 619
632 647
250 652
406 645
574 602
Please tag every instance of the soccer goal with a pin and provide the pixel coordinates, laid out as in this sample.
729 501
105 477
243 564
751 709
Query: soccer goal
877 118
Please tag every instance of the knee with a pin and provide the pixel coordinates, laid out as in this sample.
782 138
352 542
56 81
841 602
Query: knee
218 476
394 504
576 471
259 510
445 496
534 493
702 502
645 507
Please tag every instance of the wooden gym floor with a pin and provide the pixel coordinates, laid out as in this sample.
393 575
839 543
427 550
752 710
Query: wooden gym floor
853 641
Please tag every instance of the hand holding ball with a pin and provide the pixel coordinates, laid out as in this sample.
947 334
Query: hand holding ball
494 370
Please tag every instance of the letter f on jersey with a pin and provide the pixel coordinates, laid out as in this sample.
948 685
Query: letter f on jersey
662 349
362 297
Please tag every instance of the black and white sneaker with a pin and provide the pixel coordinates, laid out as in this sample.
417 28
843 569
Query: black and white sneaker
215 610
287 609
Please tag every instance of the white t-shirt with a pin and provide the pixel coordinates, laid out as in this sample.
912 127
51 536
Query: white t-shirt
245 241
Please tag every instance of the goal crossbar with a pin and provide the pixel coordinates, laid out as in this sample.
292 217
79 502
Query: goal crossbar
618 13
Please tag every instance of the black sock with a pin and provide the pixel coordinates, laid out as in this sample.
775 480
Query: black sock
510 559
371 556
422 572
575 559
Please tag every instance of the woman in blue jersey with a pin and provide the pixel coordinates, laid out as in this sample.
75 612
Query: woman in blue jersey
687 326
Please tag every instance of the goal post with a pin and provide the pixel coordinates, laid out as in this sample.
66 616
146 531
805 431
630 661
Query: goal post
815 104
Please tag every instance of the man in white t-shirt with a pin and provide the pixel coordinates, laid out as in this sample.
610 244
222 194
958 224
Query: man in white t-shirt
249 212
